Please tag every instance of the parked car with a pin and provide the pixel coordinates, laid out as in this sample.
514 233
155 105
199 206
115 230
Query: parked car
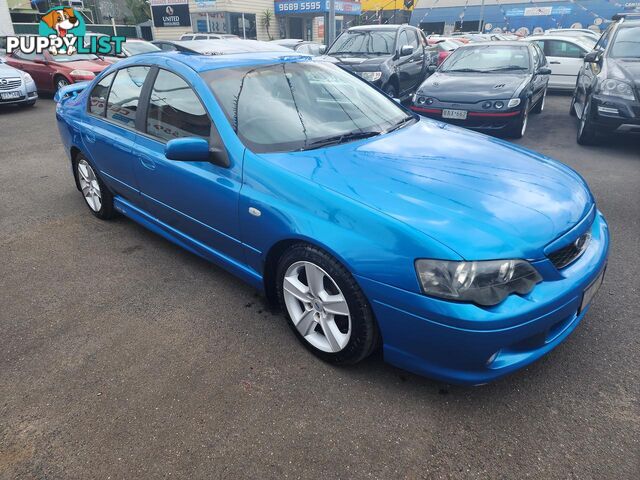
464 257
445 48
220 47
301 46
565 56
487 86
287 42
209 36
174 45
51 73
16 87
607 93
392 57
131 47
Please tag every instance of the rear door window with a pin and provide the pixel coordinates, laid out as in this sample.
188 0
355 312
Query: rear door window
124 96
98 97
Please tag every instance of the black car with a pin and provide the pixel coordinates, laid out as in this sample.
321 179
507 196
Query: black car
490 87
607 94
392 57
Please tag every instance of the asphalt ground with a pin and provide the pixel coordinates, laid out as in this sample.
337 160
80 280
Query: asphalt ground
123 356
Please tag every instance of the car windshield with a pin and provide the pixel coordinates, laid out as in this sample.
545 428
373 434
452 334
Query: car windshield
381 42
76 57
488 58
627 43
136 48
301 106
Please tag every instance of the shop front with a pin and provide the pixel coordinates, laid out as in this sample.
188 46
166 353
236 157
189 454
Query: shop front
307 19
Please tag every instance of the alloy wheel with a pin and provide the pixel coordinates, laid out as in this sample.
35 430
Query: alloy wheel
317 307
89 185
525 121
62 82
544 99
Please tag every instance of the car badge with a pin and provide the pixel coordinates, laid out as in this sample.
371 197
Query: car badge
3 81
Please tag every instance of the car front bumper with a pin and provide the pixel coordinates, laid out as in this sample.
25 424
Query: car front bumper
615 114
27 93
476 120
466 344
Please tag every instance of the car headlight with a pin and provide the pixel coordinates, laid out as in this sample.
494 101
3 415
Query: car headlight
485 283
371 76
82 73
514 102
616 88
26 77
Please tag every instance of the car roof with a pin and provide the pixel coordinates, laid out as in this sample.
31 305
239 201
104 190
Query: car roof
502 43
203 63
378 27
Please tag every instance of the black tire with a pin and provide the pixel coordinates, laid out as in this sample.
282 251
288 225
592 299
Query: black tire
106 210
587 134
540 105
364 330
391 90
59 81
29 104
572 106
519 127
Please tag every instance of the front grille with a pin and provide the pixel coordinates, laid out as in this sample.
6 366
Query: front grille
564 256
9 83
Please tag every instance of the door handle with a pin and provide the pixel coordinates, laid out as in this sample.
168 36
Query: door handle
90 137
147 162
554 63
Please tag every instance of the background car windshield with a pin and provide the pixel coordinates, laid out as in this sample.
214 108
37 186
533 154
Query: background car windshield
136 48
365 41
488 58
291 106
76 57
627 43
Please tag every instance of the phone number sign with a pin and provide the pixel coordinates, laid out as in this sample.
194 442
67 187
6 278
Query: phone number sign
290 7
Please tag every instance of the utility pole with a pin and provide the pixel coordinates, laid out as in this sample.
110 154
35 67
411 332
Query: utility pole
481 26
331 30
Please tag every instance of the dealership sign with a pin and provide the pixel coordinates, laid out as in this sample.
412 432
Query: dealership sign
170 13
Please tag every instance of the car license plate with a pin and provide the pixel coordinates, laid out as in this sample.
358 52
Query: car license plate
591 291
10 95
455 114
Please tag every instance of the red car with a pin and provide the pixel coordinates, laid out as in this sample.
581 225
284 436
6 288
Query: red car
51 73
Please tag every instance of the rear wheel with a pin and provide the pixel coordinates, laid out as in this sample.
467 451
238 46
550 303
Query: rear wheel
96 195
325 306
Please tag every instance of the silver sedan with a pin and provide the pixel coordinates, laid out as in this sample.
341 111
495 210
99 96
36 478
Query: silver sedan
16 87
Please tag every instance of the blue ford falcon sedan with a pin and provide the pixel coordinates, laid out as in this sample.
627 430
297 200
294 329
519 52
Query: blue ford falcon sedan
462 256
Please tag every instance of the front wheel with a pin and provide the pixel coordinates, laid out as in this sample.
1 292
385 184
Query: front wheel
587 134
391 90
539 108
61 82
518 129
324 305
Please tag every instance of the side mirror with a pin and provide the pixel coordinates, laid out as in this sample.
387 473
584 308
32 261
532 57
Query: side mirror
188 149
406 50
544 71
322 50
432 68
592 57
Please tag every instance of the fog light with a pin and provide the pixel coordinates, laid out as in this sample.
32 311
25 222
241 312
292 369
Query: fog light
486 105
421 100
429 101
498 105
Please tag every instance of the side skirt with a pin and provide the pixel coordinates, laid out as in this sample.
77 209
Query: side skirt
188 243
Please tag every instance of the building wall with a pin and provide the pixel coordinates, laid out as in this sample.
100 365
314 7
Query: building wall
6 27
521 16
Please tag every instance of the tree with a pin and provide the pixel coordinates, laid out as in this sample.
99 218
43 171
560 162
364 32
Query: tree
140 10
266 19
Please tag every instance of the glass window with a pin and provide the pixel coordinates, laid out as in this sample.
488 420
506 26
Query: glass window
627 43
604 39
413 39
175 111
248 28
403 39
29 56
381 42
560 48
488 58
98 97
536 57
125 94
298 106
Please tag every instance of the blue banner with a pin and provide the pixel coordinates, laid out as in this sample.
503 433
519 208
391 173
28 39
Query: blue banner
297 7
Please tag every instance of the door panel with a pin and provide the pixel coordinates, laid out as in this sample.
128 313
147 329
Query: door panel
199 199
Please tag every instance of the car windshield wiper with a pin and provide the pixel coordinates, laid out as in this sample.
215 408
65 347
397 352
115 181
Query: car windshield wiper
400 124
472 70
337 139
508 67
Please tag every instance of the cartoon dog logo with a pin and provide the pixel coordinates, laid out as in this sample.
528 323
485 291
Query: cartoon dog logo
61 20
